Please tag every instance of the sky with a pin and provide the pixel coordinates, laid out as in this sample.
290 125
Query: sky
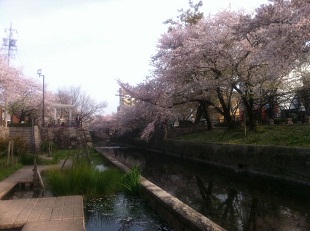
93 43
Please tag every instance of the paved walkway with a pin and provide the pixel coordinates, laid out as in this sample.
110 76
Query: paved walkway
57 213
37 214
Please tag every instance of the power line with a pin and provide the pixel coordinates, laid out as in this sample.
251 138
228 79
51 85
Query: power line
9 43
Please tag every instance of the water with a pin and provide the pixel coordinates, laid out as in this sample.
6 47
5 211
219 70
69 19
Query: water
113 213
238 202
121 213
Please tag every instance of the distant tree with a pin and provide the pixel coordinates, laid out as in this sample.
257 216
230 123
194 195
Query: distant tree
85 106
19 95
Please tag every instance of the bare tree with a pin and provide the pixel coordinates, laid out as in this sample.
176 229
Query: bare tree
85 106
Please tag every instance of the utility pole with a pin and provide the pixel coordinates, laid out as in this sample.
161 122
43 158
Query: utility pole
9 44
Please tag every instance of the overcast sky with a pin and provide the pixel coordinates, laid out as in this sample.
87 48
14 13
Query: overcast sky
92 43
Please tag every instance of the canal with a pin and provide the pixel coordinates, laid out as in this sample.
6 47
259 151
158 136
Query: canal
234 200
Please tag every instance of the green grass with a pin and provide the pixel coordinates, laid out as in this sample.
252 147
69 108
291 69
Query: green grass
7 171
85 180
57 155
297 135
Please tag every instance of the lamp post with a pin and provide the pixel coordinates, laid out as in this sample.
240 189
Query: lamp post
302 112
39 72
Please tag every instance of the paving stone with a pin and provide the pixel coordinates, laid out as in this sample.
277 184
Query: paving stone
48 214
63 225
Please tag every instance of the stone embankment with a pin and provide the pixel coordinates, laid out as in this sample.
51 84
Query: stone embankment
63 137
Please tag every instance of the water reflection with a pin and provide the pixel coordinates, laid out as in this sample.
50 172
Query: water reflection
234 201
101 167
121 213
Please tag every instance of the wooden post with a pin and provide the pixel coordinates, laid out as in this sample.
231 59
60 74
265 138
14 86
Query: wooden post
40 178
12 153
63 164
9 152
35 175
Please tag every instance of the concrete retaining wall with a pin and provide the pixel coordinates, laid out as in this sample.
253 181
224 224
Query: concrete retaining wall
65 137
25 133
62 137
286 162
278 162
176 213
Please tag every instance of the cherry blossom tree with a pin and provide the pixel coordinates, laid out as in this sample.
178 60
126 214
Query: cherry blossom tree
279 31
146 115
233 58
19 95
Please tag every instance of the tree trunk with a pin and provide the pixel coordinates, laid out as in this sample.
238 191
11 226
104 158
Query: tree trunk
226 109
198 114
207 115
203 110
249 106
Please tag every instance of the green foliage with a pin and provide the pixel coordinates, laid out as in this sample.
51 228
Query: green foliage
297 135
19 125
48 146
57 155
28 159
20 146
97 159
60 154
131 181
83 179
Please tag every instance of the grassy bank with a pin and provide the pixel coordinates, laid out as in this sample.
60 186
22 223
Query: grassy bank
297 135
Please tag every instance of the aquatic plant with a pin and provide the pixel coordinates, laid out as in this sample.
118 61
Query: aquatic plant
85 180
131 181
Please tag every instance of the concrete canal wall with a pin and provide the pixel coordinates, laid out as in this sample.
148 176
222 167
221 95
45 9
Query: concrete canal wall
277 161
176 213
287 164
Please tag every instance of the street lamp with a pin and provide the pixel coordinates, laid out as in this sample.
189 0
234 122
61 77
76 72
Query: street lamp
39 72
302 112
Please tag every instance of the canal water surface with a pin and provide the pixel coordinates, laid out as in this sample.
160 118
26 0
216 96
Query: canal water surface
121 213
235 201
